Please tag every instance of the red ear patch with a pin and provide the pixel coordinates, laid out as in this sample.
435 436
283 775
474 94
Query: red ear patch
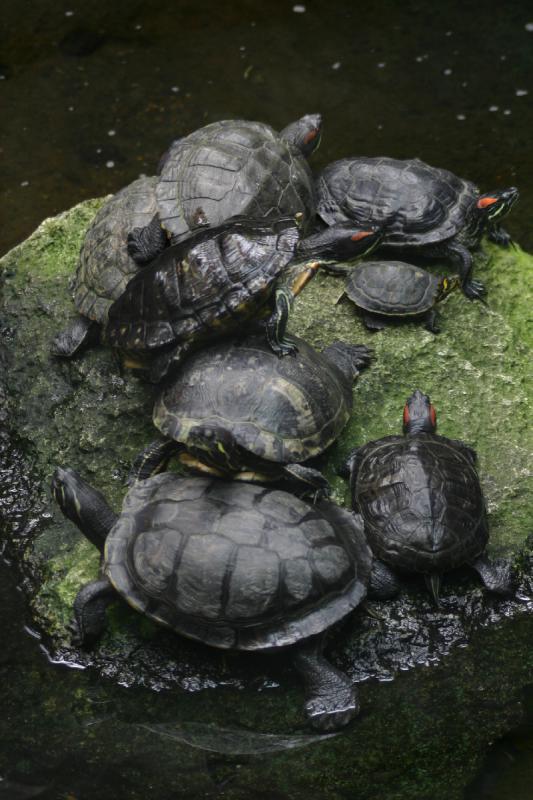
361 235
483 202
310 136
406 416
433 415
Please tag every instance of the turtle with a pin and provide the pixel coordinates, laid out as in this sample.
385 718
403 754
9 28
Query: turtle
424 209
230 168
421 501
236 410
386 291
219 281
232 565
104 266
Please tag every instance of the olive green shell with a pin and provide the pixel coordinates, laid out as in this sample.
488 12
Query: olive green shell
392 288
105 267
236 565
278 409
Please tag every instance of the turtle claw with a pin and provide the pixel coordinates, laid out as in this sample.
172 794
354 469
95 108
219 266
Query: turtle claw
474 290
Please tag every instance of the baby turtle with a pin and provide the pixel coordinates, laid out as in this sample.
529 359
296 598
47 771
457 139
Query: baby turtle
230 168
386 291
422 504
424 209
220 281
232 565
236 410
104 266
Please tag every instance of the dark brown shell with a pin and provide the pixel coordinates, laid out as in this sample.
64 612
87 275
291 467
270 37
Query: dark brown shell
236 565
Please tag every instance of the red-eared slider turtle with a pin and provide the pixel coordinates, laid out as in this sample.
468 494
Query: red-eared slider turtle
232 565
104 266
423 209
386 291
236 410
199 290
229 168
422 504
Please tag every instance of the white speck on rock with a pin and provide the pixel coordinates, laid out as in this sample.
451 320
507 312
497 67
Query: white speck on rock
461 117
521 92
529 27
299 9
336 65
494 108
110 164
111 133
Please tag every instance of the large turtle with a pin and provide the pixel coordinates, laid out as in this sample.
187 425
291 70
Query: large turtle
236 410
229 168
220 281
422 504
232 565
104 266
386 291
423 208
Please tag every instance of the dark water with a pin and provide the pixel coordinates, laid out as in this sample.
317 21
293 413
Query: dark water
91 94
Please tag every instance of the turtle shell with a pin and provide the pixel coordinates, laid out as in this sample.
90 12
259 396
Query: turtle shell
232 167
418 204
392 288
278 409
236 565
421 501
105 267
198 290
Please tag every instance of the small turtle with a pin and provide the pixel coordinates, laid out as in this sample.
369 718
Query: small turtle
226 169
386 291
236 410
424 209
422 504
232 565
104 266
218 282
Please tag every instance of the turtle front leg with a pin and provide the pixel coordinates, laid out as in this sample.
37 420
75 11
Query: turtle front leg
276 324
153 460
89 611
331 700
431 321
460 255
144 244
498 576
82 332
499 235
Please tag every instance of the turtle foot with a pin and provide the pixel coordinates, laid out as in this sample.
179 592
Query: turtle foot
498 576
474 290
329 712
284 348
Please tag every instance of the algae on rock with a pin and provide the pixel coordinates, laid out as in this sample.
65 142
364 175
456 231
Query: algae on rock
89 414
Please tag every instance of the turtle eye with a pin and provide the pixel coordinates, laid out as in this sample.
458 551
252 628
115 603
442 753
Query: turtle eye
433 415
406 416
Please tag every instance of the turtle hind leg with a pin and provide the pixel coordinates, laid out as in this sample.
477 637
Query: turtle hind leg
374 323
306 480
153 460
331 700
81 333
89 611
384 583
144 244
498 576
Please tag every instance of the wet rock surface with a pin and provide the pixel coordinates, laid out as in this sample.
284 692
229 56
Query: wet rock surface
89 414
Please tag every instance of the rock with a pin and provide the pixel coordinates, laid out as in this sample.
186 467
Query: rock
87 414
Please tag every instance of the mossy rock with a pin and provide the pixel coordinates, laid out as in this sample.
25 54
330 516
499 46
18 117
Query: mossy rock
89 414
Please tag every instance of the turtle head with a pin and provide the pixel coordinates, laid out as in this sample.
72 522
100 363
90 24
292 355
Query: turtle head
83 505
304 134
341 243
495 205
419 415
447 285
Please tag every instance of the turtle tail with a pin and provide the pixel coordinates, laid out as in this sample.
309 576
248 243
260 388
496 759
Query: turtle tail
83 505
433 584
